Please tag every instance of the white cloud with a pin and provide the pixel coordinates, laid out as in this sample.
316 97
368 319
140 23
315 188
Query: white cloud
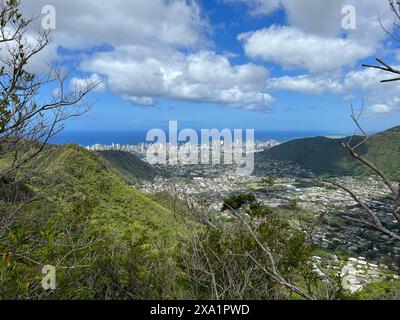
80 83
141 101
379 109
159 49
366 79
316 17
39 62
314 38
123 22
306 84
156 49
324 18
380 98
293 48
383 98
142 75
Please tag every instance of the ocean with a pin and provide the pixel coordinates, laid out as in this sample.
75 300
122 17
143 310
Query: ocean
88 137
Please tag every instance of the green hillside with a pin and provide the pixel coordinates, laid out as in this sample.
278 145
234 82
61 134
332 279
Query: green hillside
326 156
106 239
128 166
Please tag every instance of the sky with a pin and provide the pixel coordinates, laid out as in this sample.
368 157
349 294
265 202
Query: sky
273 65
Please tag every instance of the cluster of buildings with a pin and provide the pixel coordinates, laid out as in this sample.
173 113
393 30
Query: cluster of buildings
141 148
137 148
214 187
354 272
334 233
378 256
337 229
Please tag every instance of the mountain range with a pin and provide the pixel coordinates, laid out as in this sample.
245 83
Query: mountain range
326 156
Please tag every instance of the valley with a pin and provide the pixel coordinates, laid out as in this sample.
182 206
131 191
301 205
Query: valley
327 215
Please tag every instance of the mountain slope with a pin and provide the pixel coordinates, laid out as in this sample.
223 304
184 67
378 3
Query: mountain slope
128 166
82 174
327 157
106 239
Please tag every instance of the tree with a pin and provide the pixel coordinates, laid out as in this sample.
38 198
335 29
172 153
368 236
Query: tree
252 253
269 181
372 218
33 108
237 201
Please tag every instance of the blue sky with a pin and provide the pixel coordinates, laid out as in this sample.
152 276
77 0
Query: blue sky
265 64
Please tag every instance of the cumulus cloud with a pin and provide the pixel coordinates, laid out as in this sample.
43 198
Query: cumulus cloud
324 18
141 101
159 49
306 84
314 38
379 109
314 16
141 75
367 79
293 48
156 49
123 22
380 98
321 47
81 83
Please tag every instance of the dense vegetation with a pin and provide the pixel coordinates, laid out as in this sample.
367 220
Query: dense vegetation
105 239
109 241
128 166
327 157
385 290
69 208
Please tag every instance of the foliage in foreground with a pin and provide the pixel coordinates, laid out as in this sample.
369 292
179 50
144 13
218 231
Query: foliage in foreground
106 240
228 258
384 290
109 241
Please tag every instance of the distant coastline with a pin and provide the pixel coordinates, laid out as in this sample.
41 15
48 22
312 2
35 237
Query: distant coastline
90 137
